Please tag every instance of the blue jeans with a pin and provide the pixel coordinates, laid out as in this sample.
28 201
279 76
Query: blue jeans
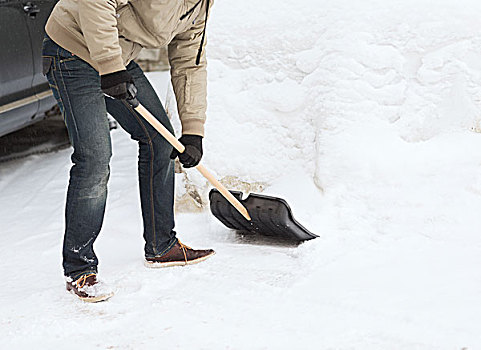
76 86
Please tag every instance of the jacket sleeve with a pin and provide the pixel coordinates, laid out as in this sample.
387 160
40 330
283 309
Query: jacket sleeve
98 23
188 79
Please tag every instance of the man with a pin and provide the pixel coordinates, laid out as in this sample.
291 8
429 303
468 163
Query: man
88 58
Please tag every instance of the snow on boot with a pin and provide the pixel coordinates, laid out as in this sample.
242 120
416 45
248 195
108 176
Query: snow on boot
88 289
179 255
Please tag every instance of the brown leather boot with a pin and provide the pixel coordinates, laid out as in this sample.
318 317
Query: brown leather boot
88 289
179 255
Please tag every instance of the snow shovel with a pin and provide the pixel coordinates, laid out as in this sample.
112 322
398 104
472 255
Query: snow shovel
257 214
270 216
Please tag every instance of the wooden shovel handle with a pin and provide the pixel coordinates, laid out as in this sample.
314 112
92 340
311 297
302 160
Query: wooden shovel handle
180 147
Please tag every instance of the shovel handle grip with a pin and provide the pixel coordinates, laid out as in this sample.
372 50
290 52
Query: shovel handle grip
180 147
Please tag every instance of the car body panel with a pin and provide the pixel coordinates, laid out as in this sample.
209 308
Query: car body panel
24 92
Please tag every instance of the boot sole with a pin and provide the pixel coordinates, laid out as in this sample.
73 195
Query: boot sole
96 299
154 264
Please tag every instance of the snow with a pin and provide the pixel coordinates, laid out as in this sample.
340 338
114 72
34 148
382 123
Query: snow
365 117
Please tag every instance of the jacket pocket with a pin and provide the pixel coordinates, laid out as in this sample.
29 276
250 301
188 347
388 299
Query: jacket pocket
187 87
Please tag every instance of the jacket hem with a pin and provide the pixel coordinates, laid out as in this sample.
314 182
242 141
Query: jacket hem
77 45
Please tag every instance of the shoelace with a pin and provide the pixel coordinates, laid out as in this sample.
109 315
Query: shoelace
82 280
184 247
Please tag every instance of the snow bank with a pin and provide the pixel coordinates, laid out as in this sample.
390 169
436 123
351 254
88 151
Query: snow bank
293 75
375 102
359 113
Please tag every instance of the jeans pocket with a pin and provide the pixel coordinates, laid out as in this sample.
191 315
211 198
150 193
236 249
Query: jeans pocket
46 65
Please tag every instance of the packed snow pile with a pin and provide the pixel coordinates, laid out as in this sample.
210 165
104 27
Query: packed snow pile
377 102
365 116
292 75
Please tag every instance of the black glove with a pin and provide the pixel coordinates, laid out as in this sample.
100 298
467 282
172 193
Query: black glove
116 84
193 151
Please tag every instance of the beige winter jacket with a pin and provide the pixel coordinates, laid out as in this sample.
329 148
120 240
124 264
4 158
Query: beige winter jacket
108 34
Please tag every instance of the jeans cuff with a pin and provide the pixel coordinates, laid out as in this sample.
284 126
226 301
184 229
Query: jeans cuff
164 251
77 275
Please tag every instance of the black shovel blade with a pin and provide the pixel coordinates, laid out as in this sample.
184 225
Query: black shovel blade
270 216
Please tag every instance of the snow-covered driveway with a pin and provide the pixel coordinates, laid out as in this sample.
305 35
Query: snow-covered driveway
363 115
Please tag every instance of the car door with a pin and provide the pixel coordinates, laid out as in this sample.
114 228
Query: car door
39 11
16 69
